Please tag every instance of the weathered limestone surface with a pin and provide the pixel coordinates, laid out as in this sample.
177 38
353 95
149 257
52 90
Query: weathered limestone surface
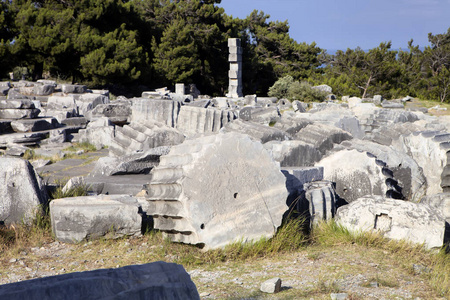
298 106
321 198
14 93
62 102
371 117
139 163
440 202
321 136
16 150
429 149
265 116
292 124
29 125
17 104
118 112
256 131
196 120
26 138
388 135
15 113
165 111
216 190
44 89
329 114
157 280
141 136
271 286
21 191
310 144
357 174
395 219
90 217
296 178
89 101
130 184
405 170
99 133
4 87
293 153
73 89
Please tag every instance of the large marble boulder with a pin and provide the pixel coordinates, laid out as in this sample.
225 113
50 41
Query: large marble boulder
89 101
99 133
194 121
82 218
405 170
137 163
216 190
118 112
430 149
256 131
395 219
359 173
160 110
22 194
157 280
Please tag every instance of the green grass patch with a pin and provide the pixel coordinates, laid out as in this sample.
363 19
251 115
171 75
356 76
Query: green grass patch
76 190
85 146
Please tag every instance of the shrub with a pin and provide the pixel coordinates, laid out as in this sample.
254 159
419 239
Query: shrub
286 87
280 88
303 91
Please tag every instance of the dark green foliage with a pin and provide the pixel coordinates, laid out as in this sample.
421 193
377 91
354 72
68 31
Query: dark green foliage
191 43
7 33
303 91
424 74
435 71
138 43
88 40
360 73
288 88
281 87
270 53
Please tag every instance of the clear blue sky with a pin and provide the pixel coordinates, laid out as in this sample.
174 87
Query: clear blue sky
342 24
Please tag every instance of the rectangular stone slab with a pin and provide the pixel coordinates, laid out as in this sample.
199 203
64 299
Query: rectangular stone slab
80 218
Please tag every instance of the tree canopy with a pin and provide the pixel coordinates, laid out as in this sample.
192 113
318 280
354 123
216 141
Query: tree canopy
158 43
150 42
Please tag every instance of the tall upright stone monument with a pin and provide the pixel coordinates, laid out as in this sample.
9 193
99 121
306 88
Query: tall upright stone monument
235 73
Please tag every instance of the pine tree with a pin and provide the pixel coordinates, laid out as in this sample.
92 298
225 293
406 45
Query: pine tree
192 46
87 40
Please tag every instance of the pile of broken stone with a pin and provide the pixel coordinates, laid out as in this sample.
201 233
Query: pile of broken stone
212 171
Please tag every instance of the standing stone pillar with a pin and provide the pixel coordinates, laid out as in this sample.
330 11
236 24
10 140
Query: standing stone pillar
235 73
179 88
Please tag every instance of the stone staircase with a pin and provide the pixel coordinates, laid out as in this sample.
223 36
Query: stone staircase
142 136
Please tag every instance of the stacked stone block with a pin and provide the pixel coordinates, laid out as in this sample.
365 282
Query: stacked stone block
235 73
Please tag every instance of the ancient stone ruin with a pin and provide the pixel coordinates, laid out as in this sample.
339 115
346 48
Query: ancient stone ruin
225 172
214 171
235 73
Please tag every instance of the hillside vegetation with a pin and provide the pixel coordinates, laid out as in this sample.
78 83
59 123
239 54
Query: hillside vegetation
141 44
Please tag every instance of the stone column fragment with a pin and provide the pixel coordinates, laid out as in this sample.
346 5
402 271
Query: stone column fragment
235 73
